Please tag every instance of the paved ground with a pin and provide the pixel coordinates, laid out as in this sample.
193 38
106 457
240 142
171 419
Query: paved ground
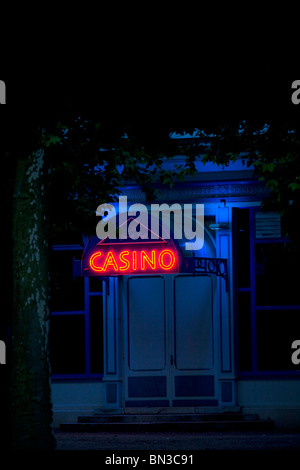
178 441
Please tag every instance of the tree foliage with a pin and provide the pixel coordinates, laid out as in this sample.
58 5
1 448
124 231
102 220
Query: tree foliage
271 148
92 160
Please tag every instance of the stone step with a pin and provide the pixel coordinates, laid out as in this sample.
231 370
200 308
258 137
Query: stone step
169 410
169 426
174 410
165 418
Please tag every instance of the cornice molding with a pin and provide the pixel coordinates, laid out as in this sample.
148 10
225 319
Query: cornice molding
245 190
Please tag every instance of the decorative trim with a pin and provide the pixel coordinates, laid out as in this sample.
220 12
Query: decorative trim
203 191
226 391
147 403
194 386
110 331
196 265
150 386
195 402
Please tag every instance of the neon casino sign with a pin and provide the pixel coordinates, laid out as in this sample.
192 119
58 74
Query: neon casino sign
128 257
139 258
119 257
132 261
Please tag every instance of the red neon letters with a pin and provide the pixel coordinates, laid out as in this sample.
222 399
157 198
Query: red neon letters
131 261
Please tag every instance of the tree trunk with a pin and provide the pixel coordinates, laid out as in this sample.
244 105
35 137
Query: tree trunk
31 407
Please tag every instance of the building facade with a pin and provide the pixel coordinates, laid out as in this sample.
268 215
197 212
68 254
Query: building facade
185 339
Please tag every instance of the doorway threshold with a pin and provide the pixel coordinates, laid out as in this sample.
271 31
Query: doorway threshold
169 410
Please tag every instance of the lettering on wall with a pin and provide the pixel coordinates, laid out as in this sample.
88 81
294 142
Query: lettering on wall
2 92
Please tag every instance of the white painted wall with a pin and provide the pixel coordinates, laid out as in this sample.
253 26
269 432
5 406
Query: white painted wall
278 400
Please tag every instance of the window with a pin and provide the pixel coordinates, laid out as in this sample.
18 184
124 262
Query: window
66 293
276 331
267 294
275 279
76 321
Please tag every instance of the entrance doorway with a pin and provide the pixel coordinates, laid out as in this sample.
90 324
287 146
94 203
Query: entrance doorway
170 357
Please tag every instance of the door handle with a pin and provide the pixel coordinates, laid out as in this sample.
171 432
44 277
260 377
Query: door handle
171 359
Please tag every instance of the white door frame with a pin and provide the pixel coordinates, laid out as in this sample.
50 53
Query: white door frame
169 371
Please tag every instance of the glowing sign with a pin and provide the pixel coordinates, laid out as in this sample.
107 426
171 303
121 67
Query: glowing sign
125 258
132 261
117 257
